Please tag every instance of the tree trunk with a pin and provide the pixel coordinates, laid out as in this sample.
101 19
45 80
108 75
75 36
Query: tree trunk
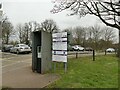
7 39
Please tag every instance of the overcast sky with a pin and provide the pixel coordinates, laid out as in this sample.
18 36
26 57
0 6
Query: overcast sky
21 11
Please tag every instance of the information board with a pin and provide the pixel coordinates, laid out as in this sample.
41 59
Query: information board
59 52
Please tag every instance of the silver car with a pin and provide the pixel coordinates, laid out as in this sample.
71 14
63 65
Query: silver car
20 48
110 50
78 48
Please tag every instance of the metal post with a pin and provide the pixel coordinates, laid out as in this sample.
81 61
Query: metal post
65 66
54 66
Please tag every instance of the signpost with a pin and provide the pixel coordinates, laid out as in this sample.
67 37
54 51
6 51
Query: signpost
59 53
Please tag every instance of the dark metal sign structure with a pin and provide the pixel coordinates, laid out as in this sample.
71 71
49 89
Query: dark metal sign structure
41 51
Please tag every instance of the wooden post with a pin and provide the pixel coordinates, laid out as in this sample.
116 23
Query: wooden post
76 54
93 55
105 52
115 51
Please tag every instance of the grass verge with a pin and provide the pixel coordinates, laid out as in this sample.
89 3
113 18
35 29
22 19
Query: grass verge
85 73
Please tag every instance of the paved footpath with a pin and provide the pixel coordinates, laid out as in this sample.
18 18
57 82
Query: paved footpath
17 73
25 78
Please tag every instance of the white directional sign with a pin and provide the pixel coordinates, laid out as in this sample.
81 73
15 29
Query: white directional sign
59 53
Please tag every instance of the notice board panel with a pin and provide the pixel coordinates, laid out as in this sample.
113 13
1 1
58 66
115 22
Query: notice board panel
59 53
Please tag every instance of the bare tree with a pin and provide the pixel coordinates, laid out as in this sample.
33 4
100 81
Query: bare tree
34 26
7 31
49 26
108 34
24 31
70 35
99 37
96 34
80 35
19 29
108 11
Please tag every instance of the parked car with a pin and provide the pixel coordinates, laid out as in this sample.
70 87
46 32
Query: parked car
20 48
6 48
78 48
110 50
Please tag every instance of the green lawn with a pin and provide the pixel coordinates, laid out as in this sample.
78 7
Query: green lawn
85 73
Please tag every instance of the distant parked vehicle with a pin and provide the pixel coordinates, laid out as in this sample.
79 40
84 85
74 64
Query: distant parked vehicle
20 48
78 48
6 48
110 50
